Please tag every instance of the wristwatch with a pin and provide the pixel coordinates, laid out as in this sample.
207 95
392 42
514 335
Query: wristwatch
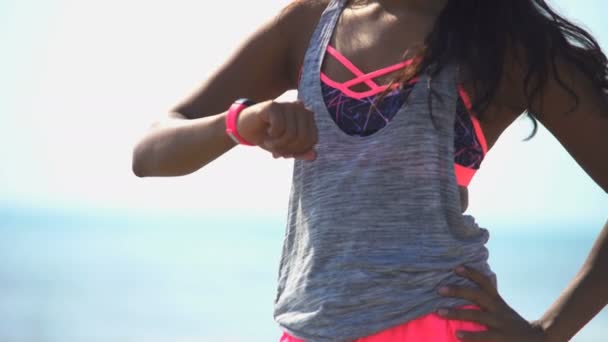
232 117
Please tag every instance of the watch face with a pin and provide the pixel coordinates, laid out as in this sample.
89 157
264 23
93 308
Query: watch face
233 137
245 101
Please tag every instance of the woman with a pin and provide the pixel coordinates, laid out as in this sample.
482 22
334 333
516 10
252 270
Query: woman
376 240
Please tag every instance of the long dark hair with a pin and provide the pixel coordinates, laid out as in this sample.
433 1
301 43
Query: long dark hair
479 34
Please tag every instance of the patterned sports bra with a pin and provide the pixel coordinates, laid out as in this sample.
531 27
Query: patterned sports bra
355 114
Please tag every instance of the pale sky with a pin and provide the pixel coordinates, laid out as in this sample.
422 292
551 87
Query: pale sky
82 81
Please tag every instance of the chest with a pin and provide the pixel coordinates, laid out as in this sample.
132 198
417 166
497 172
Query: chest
373 40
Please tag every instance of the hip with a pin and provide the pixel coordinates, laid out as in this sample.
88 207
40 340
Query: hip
430 327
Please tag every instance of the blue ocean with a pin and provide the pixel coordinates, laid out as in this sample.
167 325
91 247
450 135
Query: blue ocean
100 276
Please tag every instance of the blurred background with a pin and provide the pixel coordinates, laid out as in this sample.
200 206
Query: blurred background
89 252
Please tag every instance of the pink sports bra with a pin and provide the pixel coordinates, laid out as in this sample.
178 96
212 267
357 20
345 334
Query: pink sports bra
355 114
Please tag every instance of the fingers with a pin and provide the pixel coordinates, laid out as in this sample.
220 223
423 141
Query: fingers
310 155
472 294
479 316
275 120
293 134
298 133
306 138
484 282
282 133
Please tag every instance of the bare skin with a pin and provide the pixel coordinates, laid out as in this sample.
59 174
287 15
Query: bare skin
375 36
392 25
582 133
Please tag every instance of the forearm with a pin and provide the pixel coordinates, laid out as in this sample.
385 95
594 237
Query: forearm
176 147
585 296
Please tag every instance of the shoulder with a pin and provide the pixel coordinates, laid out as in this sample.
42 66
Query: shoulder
299 15
570 105
299 8
574 109
297 22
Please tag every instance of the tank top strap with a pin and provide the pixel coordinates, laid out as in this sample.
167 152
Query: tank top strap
374 223
439 91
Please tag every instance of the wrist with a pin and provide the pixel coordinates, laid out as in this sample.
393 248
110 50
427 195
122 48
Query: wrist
546 328
220 125
232 117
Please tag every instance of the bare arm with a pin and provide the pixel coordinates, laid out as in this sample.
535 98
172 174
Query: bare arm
192 134
584 134
585 296
178 146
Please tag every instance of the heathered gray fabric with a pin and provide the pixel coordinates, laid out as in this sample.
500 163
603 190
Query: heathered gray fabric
374 224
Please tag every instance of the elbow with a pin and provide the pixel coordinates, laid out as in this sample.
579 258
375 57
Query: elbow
138 170
138 163
143 151
147 161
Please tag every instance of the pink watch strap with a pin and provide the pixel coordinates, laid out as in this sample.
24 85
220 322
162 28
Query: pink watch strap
232 117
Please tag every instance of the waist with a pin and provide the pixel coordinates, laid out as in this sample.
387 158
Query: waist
430 327
352 305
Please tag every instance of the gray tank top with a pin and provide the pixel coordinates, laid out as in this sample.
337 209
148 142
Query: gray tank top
374 224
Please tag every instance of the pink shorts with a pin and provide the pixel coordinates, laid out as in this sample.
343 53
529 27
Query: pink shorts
430 327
